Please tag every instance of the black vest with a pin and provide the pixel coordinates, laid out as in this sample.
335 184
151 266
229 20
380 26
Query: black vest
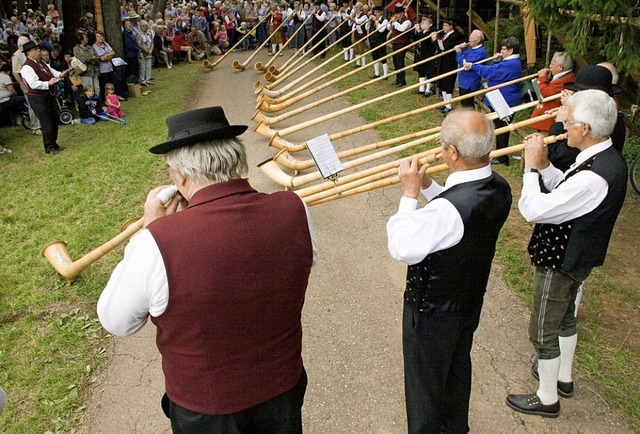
582 242
456 278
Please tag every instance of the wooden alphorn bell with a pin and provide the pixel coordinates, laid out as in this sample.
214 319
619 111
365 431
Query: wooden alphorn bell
243 65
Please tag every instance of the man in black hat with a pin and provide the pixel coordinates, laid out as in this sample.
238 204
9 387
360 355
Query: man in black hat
378 31
596 77
447 63
210 270
400 25
41 80
574 213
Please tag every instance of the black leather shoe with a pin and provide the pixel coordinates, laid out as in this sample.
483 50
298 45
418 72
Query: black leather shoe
444 110
564 389
429 93
374 76
531 404
401 84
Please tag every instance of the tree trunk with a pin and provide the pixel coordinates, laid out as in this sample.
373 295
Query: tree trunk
112 25
159 6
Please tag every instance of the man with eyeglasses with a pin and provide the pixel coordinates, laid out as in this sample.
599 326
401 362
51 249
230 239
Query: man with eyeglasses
574 214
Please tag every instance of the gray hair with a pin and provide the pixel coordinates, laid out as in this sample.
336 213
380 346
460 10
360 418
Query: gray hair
215 160
596 108
473 138
478 34
562 58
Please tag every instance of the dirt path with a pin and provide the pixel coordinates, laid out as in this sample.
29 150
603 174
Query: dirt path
352 319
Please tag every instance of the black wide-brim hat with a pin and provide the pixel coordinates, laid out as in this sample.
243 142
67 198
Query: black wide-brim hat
448 21
196 126
29 46
594 77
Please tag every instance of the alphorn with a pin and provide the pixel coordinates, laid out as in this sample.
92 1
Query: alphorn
211 65
276 140
433 169
284 157
273 171
270 120
58 256
260 67
243 65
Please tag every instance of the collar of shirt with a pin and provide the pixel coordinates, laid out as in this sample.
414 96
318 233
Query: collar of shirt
590 152
513 56
476 47
467 176
562 74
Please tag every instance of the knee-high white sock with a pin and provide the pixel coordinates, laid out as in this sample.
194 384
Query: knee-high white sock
376 69
350 53
446 96
385 69
358 62
578 298
567 351
548 388
429 87
421 80
345 51
363 60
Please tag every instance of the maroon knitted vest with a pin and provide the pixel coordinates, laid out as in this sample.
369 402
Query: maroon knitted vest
238 263
44 74
406 36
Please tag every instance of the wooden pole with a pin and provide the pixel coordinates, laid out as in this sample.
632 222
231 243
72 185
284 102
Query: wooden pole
495 35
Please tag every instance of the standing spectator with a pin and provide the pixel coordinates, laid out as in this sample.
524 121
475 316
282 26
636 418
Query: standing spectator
469 81
261 31
297 19
17 60
145 55
449 246
424 50
507 69
90 26
199 22
574 215
551 81
84 53
53 13
400 25
275 33
131 50
229 22
447 63
40 78
108 74
230 360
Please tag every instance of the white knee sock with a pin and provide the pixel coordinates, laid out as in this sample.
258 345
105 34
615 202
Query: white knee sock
345 51
385 69
350 53
548 388
363 60
567 351
429 87
376 69
421 80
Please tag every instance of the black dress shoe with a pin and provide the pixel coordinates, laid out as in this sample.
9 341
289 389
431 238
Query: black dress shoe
374 76
53 151
531 404
564 389
401 84
444 110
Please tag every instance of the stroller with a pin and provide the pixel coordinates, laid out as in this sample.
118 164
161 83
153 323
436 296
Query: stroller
64 112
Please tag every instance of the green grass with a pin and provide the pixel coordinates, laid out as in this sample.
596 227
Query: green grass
607 359
50 340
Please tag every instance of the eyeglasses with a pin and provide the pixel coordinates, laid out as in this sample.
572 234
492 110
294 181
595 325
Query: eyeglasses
565 123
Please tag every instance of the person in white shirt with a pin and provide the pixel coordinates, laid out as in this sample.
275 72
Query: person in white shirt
574 219
448 245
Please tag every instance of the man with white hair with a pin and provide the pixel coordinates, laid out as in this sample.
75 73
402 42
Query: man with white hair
472 52
574 221
448 245
17 60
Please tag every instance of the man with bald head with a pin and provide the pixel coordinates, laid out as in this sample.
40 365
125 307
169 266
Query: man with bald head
448 245
472 52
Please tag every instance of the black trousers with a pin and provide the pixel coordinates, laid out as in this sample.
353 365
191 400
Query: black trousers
279 415
398 61
502 140
437 369
46 111
468 102
380 52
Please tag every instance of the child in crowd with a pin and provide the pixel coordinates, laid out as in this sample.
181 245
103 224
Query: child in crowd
243 30
112 101
88 107
223 39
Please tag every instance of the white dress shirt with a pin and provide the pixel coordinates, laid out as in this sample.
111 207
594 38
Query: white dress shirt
577 196
415 233
138 287
31 78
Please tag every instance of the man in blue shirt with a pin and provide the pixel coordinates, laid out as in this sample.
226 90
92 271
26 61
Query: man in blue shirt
472 52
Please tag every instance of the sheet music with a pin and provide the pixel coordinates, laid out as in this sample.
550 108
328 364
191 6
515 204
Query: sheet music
323 153
536 88
499 104
118 61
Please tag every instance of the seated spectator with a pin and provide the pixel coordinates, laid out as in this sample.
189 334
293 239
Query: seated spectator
112 102
198 43
9 98
180 45
162 47
89 107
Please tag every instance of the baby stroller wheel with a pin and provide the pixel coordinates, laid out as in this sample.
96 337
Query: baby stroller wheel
66 117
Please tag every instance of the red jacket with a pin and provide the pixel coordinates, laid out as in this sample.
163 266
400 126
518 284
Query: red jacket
549 88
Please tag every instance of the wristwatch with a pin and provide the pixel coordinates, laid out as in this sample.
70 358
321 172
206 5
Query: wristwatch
531 170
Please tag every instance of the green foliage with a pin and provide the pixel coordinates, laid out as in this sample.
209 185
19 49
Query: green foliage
589 29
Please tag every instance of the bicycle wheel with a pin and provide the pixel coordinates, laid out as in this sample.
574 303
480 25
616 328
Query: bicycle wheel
634 174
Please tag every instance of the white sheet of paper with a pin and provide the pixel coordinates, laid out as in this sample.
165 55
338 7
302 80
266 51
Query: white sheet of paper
536 88
499 104
118 61
323 153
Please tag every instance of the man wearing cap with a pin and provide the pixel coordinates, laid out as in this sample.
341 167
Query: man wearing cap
596 77
574 213
474 51
40 79
17 60
551 81
221 289
400 25
447 63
